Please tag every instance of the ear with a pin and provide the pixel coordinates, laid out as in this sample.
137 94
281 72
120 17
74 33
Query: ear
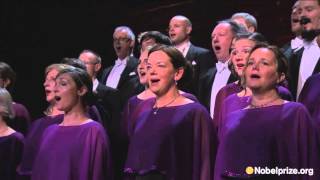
189 29
82 91
6 83
281 78
178 74
97 67
251 29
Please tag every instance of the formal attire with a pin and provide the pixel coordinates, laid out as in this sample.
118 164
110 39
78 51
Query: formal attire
310 96
201 60
302 64
11 148
274 136
206 87
22 118
293 46
175 142
73 153
128 82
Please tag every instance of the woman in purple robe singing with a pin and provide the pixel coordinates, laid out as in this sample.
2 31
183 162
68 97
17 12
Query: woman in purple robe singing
11 142
174 138
270 132
78 147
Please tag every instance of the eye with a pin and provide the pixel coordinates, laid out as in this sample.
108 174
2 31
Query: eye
250 62
149 66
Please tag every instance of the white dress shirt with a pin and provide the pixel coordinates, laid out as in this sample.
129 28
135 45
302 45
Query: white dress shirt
296 44
220 80
310 57
184 48
115 74
95 84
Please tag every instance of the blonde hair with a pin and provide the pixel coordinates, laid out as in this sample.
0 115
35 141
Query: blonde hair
6 109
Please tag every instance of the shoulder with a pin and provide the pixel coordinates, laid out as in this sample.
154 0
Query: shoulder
17 136
199 49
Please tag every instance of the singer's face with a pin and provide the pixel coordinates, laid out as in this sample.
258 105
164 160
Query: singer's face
296 28
310 9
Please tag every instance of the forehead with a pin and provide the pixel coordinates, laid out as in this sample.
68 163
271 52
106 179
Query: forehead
65 76
222 28
305 3
264 53
87 56
158 56
53 72
120 33
178 20
144 55
244 42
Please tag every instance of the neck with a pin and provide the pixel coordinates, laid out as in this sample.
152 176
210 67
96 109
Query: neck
75 116
3 127
146 94
264 98
182 42
168 97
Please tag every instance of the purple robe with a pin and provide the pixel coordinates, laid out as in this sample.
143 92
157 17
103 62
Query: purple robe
32 142
11 147
275 136
178 142
230 104
22 119
222 94
310 96
73 153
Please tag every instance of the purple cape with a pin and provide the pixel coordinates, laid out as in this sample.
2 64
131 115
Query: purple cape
275 136
73 153
32 142
310 96
178 142
10 155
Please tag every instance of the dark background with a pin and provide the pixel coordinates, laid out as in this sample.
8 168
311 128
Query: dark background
34 34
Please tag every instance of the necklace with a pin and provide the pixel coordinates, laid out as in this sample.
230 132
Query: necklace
157 108
254 106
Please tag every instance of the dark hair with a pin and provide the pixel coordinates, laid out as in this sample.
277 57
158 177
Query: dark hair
178 61
7 73
235 28
281 61
82 79
74 62
158 37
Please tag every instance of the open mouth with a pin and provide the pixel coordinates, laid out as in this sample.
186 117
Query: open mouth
142 73
255 76
217 48
154 81
172 35
118 48
240 65
295 20
57 98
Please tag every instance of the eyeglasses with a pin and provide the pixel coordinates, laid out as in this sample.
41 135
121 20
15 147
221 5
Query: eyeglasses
121 40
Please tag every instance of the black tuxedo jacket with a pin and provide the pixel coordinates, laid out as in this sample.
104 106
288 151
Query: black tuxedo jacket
205 86
129 84
286 50
294 66
201 60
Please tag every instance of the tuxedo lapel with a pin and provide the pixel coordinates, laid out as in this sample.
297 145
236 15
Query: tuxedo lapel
130 68
105 74
317 68
191 53
294 65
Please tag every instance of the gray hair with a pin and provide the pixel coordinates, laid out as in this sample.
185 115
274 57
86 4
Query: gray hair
6 109
250 19
126 29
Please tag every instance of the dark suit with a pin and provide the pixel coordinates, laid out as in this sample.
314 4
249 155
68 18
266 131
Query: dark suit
286 50
205 86
201 60
129 84
294 66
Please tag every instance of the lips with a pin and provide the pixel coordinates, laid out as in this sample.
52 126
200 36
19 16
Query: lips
255 76
57 98
142 73
154 81
240 65
217 48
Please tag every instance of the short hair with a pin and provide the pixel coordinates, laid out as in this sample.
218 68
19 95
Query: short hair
235 28
178 61
249 19
81 79
184 18
156 35
6 109
57 67
7 73
130 33
256 37
74 62
97 56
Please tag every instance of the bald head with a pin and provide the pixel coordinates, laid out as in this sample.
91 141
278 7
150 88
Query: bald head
180 28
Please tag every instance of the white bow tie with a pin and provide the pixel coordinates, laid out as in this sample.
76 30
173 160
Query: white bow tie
221 66
296 44
120 62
